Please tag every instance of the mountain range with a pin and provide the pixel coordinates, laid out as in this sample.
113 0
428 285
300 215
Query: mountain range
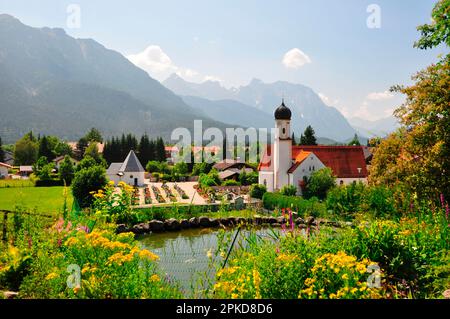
260 99
52 83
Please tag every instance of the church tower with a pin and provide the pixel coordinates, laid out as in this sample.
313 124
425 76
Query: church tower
282 154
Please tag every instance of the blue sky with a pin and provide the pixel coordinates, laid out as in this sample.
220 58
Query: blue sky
349 64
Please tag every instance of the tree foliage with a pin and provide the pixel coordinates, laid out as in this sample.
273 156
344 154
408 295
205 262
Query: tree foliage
308 137
418 155
26 150
320 183
66 170
438 31
87 181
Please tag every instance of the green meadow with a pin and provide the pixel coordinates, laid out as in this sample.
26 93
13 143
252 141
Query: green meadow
35 199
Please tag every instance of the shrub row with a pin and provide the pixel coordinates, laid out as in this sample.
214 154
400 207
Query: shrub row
310 206
48 183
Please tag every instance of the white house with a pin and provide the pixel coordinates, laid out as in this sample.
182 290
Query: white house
4 169
60 159
130 171
285 164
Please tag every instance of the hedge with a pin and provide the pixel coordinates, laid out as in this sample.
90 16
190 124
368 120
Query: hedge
48 183
311 206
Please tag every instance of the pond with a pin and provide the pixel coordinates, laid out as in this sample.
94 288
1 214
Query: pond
184 254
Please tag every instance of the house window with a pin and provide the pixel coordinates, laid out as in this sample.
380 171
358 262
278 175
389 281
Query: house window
341 182
131 176
265 183
284 131
314 168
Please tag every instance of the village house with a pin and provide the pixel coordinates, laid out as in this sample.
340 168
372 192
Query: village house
286 164
4 170
230 168
130 171
25 171
60 159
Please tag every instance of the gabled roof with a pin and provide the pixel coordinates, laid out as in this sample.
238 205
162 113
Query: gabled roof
5 165
113 169
230 163
266 160
131 164
301 156
227 173
345 161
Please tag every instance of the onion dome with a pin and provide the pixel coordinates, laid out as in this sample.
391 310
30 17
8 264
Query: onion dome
282 112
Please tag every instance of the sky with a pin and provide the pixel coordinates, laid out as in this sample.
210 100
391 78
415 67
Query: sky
350 52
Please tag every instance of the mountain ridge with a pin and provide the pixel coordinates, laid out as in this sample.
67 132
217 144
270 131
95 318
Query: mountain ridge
36 61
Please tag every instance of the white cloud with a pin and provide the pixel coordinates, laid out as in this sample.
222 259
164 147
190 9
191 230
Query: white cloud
295 58
378 96
155 61
159 65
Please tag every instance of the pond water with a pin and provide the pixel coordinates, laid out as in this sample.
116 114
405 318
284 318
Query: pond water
184 254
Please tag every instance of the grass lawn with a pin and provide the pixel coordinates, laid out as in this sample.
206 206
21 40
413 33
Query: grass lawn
39 199
16 183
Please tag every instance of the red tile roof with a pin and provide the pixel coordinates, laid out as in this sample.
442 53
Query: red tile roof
345 161
301 156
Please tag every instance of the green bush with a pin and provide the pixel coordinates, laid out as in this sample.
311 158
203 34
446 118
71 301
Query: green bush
48 183
303 206
320 183
230 182
288 190
258 191
86 181
346 199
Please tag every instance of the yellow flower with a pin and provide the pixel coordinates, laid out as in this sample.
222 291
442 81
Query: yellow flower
71 241
345 276
155 278
256 283
144 253
51 276
234 296
76 289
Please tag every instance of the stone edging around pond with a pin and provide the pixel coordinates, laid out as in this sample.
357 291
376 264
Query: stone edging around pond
173 224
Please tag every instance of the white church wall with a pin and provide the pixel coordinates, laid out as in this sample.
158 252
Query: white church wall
266 178
305 169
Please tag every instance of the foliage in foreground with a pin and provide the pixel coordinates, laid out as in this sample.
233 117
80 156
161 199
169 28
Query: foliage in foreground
411 255
43 261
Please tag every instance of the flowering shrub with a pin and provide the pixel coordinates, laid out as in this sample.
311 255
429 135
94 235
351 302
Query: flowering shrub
115 205
111 266
339 276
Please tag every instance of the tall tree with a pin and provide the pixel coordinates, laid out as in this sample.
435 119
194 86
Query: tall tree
160 150
145 150
354 141
45 149
82 144
308 137
294 142
420 151
66 170
94 135
26 150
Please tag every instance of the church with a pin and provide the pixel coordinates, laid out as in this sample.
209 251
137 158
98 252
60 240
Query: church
286 164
